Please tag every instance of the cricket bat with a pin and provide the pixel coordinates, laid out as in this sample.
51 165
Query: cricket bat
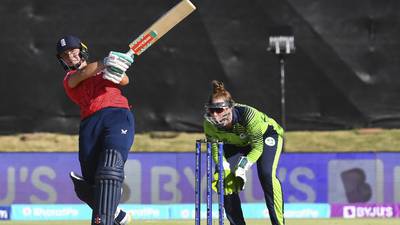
160 27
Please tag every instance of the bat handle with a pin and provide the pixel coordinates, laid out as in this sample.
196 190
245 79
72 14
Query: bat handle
130 53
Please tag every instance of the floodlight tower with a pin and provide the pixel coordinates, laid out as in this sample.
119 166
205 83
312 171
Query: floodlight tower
281 43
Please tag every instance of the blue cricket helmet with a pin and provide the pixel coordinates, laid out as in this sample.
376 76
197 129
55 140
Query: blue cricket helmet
68 42
71 42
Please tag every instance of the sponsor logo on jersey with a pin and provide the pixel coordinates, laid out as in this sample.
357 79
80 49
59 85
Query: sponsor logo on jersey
124 131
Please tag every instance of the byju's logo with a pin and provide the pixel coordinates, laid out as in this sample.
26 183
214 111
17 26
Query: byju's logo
4 213
365 211
349 212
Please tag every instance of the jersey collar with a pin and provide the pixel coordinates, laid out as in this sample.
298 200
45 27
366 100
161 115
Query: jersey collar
235 115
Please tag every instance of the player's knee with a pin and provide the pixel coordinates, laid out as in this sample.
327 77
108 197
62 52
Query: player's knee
111 166
83 190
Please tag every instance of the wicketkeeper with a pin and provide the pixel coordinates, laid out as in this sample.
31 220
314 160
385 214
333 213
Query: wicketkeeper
250 137
106 130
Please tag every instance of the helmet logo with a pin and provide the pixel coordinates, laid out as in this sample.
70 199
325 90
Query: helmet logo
62 42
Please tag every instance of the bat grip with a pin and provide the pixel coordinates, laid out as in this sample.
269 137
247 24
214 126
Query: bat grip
130 53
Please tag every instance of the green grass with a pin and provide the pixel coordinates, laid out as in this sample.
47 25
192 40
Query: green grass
251 222
344 141
295 141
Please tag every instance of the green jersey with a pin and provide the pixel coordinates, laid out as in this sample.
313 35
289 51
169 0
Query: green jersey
248 128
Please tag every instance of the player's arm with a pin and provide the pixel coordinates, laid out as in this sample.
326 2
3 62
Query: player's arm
255 128
82 74
230 184
210 133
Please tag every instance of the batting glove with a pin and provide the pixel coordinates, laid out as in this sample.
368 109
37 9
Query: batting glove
112 75
118 61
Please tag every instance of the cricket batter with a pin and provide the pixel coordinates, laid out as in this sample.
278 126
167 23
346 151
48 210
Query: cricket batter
106 130
250 137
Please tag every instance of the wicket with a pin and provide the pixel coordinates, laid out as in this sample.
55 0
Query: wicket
209 181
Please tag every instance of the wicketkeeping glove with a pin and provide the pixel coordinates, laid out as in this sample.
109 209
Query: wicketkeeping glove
230 183
240 171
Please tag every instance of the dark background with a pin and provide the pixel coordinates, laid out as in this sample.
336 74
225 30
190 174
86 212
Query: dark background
343 75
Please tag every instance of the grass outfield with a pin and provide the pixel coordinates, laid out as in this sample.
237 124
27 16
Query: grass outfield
251 222
371 140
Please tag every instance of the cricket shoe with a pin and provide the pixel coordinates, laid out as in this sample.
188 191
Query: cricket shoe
121 217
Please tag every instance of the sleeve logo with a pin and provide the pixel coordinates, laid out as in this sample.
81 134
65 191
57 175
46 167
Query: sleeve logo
270 141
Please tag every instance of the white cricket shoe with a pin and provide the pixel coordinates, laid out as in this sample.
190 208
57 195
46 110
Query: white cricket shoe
121 217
